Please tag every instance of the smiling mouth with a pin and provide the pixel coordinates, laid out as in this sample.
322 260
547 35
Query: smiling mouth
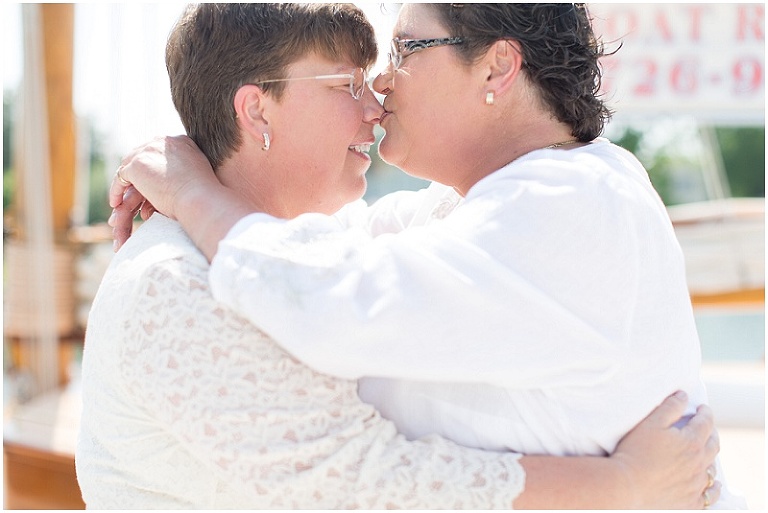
361 148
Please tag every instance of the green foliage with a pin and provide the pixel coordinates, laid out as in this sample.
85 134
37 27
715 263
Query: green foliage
656 163
8 102
743 151
677 175
99 209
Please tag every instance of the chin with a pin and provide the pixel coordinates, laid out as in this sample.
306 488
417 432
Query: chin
388 154
332 209
359 190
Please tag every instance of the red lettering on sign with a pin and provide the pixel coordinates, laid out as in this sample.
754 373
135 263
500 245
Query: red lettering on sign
747 76
620 24
684 78
649 73
696 13
751 22
662 26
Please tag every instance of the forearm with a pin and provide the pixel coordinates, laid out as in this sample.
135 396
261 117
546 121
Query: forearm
333 283
655 466
584 482
208 214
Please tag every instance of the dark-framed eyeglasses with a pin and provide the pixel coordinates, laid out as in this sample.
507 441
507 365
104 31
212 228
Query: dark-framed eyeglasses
402 48
357 81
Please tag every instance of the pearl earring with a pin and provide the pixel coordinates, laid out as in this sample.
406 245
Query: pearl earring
266 142
489 98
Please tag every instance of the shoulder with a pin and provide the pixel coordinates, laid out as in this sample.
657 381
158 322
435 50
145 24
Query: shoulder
600 187
160 237
156 299
159 244
158 262
582 174
596 159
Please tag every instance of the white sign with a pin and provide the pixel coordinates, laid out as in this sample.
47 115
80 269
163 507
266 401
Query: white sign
707 60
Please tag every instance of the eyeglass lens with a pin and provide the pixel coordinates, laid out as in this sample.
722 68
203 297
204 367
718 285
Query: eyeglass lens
395 58
357 83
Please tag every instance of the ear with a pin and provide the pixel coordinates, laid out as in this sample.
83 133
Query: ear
504 62
251 109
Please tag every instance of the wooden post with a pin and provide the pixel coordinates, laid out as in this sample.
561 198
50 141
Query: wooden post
40 259
58 51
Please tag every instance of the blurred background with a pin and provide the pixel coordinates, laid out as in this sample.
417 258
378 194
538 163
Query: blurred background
85 83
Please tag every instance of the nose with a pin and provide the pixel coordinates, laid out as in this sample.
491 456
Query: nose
383 83
372 109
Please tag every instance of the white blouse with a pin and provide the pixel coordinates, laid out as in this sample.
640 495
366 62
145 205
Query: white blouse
188 405
558 280
547 312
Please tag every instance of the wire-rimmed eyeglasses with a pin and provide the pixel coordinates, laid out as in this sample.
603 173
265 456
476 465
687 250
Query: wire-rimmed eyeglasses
357 81
402 48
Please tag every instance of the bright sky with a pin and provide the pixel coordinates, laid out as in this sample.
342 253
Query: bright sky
120 79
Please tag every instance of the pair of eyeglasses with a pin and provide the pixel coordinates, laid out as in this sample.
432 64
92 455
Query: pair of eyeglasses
357 81
402 48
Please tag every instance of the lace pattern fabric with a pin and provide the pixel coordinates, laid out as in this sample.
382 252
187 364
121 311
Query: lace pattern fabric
234 420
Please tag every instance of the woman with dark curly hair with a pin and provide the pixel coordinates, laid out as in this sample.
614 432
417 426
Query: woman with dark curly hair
559 50
533 298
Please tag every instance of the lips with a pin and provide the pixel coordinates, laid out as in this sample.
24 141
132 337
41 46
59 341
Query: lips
385 115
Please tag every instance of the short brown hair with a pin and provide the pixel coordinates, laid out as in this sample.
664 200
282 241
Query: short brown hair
560 52
214 49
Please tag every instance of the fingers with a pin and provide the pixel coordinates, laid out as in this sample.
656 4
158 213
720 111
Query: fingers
710 475
711 488
130 205
123 214
122 225
669 411
712 448
702 425
121 181
710 496
117 188
147 209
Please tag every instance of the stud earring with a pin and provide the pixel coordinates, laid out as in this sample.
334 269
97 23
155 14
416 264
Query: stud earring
266 142
489 98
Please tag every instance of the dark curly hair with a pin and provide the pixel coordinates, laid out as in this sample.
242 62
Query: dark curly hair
560 53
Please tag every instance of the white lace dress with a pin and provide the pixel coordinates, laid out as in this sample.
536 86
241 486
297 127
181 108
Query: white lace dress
187 405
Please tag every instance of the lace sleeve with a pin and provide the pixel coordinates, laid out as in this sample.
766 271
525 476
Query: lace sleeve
280 434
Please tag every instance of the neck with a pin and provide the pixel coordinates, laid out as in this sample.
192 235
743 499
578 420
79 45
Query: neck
251 175
514 126
506 145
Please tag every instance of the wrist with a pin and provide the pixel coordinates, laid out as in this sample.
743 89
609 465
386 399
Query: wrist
625 482
576 482
208 212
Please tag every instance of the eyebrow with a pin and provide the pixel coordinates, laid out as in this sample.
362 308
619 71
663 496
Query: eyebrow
342 69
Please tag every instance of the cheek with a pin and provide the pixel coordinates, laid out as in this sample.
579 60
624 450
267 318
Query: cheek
342 123
337 132
330 135
409 131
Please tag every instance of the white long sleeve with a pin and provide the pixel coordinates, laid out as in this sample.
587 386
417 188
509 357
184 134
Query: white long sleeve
488 282
402 306
558 283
